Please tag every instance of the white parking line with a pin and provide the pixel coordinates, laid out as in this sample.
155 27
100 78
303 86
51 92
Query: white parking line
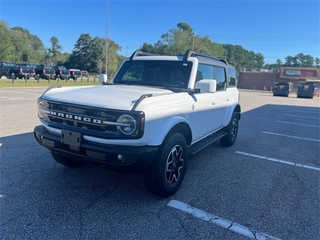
232 226
289 136
301 124
296 116
309 111
279 161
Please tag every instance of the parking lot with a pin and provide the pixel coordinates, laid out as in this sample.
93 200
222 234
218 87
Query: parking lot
266 186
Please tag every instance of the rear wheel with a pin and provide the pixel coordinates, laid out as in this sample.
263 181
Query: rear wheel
69 162
232 131
166 174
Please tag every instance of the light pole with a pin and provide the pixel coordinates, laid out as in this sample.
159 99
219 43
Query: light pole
107 23
193 37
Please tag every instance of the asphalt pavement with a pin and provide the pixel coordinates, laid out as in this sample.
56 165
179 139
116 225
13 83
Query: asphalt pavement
266 186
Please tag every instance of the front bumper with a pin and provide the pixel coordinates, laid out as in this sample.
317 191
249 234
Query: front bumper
133 159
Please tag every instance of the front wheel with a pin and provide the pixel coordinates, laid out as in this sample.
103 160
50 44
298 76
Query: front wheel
231 130
166 174
68 162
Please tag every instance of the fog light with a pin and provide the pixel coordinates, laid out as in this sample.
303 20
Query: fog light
120 158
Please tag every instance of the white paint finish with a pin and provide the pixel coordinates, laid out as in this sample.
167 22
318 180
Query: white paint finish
300 124
232 226
279 161
290 136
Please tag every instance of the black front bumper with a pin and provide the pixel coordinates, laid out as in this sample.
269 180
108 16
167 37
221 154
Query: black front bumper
133 159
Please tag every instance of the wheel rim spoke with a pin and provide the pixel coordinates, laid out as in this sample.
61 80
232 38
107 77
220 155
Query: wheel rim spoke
175 164
234 129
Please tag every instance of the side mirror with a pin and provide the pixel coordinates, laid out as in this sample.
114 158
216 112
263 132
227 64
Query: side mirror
207 85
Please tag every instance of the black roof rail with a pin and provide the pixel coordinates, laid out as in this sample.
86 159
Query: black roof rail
141 53
190 53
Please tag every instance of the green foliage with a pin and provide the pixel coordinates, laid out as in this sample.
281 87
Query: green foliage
6 46
89 53
301 60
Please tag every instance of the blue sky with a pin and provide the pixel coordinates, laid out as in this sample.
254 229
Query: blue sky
273 28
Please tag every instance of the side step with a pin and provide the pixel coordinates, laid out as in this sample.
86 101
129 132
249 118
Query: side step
197 147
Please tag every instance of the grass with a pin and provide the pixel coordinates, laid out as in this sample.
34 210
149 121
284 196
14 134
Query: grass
20 83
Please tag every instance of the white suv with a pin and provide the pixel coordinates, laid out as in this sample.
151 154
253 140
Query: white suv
157 112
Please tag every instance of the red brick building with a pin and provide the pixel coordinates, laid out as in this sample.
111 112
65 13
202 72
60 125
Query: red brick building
261 80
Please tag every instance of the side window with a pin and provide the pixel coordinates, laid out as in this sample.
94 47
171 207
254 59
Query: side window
231 77
204 72
220 77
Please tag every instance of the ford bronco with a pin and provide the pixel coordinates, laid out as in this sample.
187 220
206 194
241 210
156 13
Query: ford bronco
158 111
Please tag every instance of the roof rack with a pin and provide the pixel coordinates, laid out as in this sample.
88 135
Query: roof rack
141 53
190 53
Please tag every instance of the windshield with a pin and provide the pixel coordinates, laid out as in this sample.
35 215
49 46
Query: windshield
155 73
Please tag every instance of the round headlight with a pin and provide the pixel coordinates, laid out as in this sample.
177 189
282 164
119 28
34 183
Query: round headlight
126 124
42 106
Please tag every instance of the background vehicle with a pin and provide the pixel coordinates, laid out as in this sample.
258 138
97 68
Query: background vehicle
316 92
45 72
17 71
74 74
28 69
61 72
5 68
84 73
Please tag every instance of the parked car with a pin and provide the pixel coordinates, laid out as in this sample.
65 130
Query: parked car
45 72
74 74
29 69
84 73
5 68
61 72
316 92
22 70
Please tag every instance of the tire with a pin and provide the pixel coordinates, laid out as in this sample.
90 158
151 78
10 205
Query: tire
166 174
232 131
68 162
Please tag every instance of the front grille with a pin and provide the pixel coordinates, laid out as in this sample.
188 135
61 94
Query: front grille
88 120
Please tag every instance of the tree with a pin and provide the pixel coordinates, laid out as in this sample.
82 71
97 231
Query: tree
6 46
289 61
81 54
259 60
54 52
317 62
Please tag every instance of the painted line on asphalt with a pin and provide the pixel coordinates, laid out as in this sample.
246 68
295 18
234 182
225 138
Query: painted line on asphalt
290 136
309 111
296 116
279 161
232 226
300 124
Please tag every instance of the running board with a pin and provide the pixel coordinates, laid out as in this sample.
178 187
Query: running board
197 147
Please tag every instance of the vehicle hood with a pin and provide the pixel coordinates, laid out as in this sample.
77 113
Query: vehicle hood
108 96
